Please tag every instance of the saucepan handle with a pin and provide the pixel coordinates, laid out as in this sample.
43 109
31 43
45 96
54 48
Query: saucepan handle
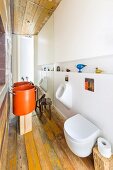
10 91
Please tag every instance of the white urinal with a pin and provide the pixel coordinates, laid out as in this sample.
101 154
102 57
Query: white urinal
64 94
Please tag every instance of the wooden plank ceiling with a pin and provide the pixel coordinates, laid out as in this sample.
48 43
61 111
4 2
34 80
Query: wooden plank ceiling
29 16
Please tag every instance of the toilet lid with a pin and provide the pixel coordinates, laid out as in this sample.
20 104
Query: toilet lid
78 128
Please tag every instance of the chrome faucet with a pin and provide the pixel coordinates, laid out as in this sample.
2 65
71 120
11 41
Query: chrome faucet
22 78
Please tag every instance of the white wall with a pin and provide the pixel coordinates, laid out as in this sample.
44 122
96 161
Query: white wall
45 43
15 58
23 58
44 55
36 75
27 57
83 29
49 75
97 106
104 63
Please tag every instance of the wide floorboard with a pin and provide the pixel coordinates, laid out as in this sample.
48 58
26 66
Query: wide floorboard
44 148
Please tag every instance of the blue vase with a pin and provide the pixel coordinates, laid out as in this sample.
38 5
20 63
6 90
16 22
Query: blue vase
80 67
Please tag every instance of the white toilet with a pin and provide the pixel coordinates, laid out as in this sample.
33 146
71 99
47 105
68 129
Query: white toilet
81 135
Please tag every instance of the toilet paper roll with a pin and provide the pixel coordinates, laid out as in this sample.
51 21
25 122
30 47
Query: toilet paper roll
104 147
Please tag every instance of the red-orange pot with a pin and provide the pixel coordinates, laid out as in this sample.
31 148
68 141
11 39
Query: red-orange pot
22 86
20 83
23 100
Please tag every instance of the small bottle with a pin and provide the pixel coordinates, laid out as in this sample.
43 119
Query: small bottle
66 78
58 68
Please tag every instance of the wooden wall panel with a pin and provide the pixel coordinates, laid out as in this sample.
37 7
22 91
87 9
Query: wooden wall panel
1 26
28 17
19 11
44 16
35 19
4 97
31 15
3 159
5 14
2 58
4 110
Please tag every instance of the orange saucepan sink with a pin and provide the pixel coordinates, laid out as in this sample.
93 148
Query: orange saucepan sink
23 99
20 83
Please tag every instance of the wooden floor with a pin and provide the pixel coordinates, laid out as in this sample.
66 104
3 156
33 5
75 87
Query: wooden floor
44 148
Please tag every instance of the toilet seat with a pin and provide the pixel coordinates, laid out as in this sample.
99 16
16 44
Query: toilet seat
79 129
